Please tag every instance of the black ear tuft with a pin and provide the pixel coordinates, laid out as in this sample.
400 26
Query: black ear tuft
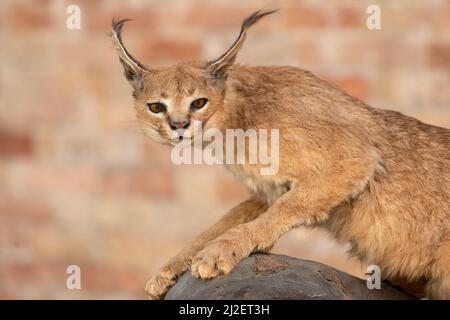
220 65
254 17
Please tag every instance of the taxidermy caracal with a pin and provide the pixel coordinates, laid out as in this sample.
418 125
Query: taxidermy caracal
375 179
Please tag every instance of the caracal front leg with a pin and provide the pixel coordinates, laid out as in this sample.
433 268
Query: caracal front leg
166 277
224 253
305 204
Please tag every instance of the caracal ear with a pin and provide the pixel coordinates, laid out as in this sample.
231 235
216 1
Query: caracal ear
219 67
134 70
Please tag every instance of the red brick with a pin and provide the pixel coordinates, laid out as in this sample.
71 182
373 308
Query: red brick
309 52
438 19
21 271
352 17
15 144
439 55
20 210
70 179
154 154
28 17
230 190
378 51
307 16
97 277
157 184
97 18
354 85
213 18
167 49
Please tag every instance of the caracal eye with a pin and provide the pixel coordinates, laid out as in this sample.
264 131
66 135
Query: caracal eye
199 103
156 107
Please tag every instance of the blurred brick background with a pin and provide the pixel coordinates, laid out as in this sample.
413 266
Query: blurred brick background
80 185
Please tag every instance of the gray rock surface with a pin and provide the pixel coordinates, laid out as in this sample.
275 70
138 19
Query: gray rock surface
271 276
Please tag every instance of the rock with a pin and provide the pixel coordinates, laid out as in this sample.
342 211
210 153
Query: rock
273 276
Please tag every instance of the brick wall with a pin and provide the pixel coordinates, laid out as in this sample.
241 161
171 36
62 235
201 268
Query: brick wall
80 185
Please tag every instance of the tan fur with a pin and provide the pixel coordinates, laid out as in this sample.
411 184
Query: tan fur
376 179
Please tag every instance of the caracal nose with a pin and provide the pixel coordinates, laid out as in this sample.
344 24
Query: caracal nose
179 124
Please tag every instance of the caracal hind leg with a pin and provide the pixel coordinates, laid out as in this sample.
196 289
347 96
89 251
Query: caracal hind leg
439 285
